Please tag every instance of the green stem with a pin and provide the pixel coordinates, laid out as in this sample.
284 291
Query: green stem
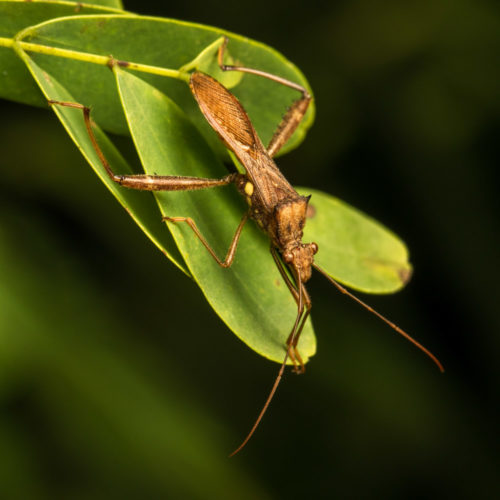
94 58
6 42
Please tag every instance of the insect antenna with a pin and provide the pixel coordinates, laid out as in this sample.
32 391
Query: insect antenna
383 318
278 378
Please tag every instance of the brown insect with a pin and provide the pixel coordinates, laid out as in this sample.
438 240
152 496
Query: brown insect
273 203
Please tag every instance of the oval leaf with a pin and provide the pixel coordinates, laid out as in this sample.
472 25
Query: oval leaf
353 248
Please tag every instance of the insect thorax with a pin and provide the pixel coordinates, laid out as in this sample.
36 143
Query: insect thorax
289 219
284 223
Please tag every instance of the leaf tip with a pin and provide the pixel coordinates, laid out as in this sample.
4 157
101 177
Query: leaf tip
405 274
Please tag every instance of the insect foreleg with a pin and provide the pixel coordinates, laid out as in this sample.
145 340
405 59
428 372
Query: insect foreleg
304 306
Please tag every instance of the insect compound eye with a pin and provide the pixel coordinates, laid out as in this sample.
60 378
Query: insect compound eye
314 247
288 257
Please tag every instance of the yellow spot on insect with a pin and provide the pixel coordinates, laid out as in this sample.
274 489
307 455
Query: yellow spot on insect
249 201
249 189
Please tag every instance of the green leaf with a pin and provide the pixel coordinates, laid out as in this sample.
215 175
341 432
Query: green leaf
16 83
141 206
207 62
164 43
250 296
16 16
353 248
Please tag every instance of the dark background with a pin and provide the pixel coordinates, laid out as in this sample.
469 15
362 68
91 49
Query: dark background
117 379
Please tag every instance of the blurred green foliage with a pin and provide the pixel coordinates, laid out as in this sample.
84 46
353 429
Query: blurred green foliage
116 378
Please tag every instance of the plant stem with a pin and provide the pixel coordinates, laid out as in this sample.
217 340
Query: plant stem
93 58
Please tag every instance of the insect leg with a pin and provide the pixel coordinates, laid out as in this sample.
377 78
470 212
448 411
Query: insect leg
278 378
294 114
232 247
146 182
293 339
291 286
303 301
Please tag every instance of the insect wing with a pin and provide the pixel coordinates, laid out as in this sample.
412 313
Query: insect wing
225 114
229 119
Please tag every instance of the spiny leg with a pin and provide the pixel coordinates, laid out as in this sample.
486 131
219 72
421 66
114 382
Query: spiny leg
292 117
232 247
141 181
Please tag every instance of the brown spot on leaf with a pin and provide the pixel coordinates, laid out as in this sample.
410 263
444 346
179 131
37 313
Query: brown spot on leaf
123 64
78 7
405 274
